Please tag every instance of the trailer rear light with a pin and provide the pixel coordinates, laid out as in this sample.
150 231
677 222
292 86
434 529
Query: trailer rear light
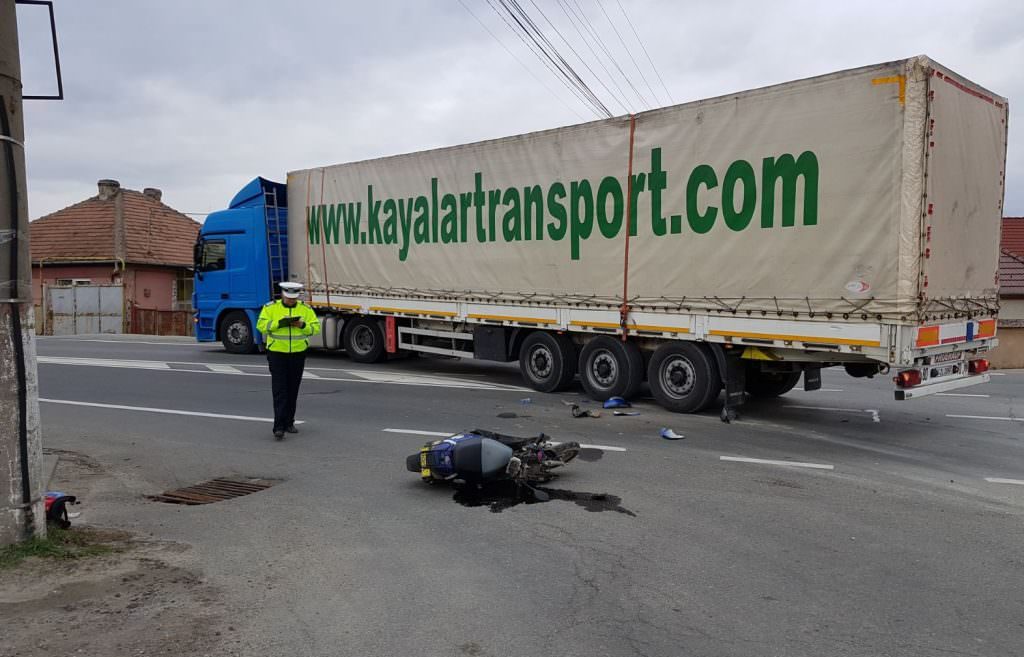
978 366
908 378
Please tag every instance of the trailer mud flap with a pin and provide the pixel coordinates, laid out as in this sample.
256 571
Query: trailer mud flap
735 385
812 378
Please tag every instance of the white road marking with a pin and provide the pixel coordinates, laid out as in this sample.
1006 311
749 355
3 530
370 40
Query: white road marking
310 375
103 362
997 480
354 376
988 417
415 432
874 413
162 344
958 394
997 373
795 464
165 411
445 434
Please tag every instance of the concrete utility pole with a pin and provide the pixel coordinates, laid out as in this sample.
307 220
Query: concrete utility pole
21 471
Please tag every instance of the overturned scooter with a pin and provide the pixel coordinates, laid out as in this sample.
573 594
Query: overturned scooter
482 457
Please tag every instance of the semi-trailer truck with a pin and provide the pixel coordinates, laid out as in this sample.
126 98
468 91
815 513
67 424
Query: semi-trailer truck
740 242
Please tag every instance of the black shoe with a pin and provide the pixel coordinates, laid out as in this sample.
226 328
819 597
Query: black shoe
291 429
278 434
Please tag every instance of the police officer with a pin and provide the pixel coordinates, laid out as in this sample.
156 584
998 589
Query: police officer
287 324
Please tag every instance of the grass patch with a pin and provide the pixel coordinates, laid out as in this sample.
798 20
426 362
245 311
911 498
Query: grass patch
58 544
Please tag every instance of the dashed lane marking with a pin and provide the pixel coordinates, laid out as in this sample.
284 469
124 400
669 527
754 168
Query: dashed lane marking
353 376
445 434
999 480
958 394
987 417
795 464
165 411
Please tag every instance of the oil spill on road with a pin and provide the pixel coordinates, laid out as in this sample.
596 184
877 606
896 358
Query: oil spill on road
590 454
505 495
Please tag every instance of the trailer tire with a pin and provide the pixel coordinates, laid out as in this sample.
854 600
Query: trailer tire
236 333
363 340
767 385
610 367
683 377
547 361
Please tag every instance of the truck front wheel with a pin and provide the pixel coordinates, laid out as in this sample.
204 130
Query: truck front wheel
683 377
236 333
547 361
610 367
765 385
363 340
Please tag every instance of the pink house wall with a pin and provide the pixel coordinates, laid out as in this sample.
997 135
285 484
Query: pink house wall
145 287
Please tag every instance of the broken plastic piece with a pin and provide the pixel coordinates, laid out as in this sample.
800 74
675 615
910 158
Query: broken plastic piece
626 413
579 412
668 434
617 402
526 400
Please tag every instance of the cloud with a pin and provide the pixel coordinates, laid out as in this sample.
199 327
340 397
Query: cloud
199 97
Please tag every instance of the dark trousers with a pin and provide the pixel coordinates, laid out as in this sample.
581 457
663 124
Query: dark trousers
285 377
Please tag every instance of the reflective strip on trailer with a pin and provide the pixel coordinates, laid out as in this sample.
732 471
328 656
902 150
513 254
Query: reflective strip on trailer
969 331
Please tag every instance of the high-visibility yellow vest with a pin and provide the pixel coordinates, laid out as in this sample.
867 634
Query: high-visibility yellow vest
287 339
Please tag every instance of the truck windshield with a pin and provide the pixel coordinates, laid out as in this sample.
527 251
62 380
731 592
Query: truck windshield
211 255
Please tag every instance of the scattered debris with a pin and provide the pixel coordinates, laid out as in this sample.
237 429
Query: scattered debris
526 400
668 434
583 412
626 413
617 402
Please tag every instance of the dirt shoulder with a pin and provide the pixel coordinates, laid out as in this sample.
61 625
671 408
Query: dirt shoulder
141 597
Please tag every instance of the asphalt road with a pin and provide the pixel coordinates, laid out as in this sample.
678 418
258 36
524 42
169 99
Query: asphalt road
894 529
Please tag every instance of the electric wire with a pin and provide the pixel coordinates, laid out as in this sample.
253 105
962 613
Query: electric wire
626 48
575 22
515 57
583 61
575 92
668 94
589 25
528 27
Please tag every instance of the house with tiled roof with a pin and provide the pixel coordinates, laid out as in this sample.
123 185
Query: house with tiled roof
1010 352
118 237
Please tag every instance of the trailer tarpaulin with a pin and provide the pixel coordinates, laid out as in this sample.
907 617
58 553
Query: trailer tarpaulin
870 192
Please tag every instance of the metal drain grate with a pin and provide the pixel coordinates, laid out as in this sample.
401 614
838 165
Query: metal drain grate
215 490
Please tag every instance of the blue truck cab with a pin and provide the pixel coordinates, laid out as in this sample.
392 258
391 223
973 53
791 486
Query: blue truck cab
240 257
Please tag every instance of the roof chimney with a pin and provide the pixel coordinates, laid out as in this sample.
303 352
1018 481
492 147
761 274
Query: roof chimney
153 193
108 188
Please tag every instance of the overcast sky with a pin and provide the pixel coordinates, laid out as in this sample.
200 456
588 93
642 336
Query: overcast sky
198 97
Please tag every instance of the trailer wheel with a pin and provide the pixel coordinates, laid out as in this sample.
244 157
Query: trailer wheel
683 377
547 361
363 340
236 333
610 367
766 385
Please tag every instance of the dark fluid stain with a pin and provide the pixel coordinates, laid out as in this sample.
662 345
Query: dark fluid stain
506 494
507 416
590 454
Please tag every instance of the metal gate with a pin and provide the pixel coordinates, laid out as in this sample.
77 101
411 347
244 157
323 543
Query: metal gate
83 309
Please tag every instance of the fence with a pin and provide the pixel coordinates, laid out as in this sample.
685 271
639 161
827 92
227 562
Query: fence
83 309
161 322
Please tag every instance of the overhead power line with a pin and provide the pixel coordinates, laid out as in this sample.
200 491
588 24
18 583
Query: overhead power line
575 22
651 61
528 27
589 25
521 63
626 48
583 61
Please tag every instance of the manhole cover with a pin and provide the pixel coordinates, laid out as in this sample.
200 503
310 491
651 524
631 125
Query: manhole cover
211 491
